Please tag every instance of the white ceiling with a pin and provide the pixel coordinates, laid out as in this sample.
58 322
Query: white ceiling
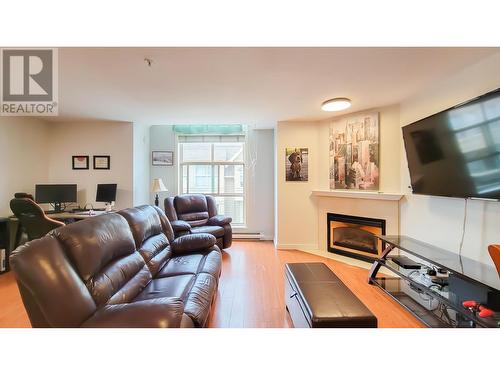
258 86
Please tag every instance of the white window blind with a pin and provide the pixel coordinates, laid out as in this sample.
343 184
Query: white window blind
215 165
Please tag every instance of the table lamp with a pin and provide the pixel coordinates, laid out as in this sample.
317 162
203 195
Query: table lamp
157 187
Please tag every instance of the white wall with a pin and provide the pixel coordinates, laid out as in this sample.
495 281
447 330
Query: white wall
260 175
439 220
142 162
297 216
260 183
23 157
162 138
92 138
297 211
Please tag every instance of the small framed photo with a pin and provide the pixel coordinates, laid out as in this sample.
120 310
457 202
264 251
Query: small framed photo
80 162
102 162
163 158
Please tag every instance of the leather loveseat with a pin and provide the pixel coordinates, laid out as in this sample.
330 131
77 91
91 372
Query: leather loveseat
118 270
197 213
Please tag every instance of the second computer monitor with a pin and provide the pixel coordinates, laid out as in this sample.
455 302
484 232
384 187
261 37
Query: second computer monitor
106 193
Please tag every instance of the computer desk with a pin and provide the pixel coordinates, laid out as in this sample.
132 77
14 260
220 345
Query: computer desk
74 215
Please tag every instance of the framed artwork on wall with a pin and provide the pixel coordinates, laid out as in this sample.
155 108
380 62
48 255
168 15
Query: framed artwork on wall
296 164
102 162
163 158
80 162
354 152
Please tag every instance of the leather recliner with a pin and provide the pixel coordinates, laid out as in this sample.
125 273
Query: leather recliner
118 270
197 213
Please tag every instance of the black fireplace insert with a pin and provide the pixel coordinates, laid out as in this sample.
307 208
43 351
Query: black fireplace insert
353 236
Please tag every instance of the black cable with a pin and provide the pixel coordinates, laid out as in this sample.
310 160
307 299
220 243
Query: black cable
463 236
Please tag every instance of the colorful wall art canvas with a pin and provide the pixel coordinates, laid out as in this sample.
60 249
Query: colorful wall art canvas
354 152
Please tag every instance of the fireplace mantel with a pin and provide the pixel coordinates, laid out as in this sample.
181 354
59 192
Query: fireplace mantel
373 195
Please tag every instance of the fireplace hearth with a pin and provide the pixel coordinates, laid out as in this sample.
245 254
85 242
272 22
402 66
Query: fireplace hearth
353 236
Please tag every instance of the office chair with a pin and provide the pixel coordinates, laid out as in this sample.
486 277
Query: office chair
23 195
32 218
494 251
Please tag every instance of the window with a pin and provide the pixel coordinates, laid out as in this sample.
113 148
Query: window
215 165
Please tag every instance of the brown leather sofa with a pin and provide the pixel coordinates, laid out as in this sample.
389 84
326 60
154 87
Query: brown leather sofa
118 270
197 213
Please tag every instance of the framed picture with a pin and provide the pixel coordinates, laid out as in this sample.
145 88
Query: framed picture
102 162
297 164
163 158
354 152
80 162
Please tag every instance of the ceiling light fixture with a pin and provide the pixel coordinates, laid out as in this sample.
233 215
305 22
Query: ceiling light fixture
336 104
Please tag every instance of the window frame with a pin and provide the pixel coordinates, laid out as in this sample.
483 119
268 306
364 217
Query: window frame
241 139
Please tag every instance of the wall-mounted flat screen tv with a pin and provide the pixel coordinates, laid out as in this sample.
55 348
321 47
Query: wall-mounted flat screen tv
456 152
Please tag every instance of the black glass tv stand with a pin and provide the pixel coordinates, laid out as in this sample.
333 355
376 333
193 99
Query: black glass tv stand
435 293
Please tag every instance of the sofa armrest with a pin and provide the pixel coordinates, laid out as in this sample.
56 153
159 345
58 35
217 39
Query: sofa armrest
219 220
153 313
180 226
192 243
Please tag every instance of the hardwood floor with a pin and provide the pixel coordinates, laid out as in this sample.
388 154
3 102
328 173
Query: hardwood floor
12 312
251 290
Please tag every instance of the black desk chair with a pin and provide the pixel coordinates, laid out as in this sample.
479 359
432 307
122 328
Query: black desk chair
23 195
32 218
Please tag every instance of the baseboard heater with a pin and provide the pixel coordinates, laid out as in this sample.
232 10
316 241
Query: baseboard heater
247 236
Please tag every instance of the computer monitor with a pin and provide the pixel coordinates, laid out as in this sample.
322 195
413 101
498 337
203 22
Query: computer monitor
106 193
55 194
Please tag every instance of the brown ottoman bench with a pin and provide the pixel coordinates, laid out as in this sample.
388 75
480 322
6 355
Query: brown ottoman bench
316 298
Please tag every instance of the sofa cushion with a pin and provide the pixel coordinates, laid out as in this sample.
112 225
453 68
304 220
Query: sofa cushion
195 219
209 262
214 230
165 223
188 203
103 251
192 243
120 281
144 223
53 293
173 286
149 235
93 243
200 297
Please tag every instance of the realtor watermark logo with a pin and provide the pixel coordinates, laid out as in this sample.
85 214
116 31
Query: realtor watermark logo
29 85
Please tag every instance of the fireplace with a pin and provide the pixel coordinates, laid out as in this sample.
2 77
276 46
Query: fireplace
353 236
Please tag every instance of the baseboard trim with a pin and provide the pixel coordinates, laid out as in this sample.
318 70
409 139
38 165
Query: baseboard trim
298 246
252 237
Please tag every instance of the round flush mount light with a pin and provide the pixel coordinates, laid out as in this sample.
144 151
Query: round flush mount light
336 104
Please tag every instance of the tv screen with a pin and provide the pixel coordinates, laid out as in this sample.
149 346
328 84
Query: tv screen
456 152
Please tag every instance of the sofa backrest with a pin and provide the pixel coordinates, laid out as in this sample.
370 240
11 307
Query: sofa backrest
152 234
66 276
195 209
103 252
52 291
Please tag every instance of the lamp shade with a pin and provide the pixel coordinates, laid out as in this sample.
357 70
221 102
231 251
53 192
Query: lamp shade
158 186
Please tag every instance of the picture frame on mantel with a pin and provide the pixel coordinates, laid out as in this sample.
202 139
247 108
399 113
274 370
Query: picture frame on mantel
80 162
355 152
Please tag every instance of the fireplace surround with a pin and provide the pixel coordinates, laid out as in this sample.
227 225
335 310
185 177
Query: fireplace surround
352 236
